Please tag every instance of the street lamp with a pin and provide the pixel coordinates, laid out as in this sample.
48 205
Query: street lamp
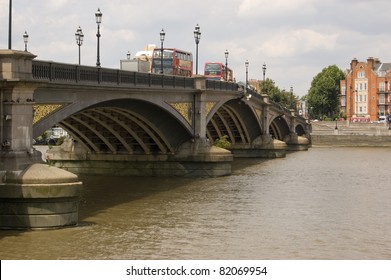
10 25
162 36
128 55
79 39
292 98
197 37
264 73
246 64
98 18
226 64
25 40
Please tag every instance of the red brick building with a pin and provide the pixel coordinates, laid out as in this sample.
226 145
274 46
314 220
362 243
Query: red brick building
365 94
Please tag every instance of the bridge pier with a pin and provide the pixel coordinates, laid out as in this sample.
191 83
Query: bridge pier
32 194
196 158
296 143
263 147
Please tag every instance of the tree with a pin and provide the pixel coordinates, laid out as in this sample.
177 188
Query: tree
323 96
282 97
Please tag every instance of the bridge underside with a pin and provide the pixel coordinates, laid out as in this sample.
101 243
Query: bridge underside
134 135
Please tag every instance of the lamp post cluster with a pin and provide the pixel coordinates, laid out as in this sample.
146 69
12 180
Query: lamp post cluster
162 36
79 39
79 36
197 37
25 40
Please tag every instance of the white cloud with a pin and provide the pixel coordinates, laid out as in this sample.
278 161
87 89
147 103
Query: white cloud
296 38
297 42
280 8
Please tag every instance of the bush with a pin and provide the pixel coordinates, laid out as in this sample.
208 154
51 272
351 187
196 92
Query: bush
222 142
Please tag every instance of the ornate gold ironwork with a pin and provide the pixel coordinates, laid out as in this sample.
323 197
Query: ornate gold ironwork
184 108
209 106
43 110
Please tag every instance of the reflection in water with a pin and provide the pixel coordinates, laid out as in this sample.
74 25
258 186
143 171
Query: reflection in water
326 203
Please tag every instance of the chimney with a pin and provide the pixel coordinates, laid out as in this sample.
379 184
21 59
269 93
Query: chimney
370 62
353 63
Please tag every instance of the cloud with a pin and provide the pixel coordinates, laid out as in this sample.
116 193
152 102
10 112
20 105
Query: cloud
279 8
299 41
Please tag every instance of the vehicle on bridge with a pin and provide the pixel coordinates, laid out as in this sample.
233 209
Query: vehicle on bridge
218 71
175 62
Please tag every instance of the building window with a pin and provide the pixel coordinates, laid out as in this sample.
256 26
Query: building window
381 110
381 99
382 86
343 101
361 74
343 90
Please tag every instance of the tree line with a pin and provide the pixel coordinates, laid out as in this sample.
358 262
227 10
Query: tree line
322 98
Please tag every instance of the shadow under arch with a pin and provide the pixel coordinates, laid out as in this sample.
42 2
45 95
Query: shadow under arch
126 126
236 120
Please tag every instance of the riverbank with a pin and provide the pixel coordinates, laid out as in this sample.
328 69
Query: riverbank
345 134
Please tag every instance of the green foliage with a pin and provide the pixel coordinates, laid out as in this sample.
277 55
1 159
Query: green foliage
284 98
323 96
222 142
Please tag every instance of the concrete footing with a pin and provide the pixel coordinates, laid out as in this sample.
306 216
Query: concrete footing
297 143
193 159
38 197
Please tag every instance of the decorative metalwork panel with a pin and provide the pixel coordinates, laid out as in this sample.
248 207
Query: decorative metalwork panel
43 110
259 114
185 109
209 106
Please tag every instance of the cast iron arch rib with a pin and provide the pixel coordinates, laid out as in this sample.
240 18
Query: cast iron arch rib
238 124
79 137
98 135
152 132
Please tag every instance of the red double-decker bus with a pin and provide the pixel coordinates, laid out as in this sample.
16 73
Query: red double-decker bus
217 71
175 62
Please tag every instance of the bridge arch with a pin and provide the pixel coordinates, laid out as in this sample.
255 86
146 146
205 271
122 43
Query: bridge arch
300 130
235 119
279 128
125 126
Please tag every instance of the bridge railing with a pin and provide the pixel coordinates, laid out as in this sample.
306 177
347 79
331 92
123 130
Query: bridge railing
69 73
221 85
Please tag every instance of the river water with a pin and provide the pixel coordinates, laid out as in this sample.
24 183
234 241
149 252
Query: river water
324 203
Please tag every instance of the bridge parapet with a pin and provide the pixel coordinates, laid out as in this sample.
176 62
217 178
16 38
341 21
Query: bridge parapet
49 71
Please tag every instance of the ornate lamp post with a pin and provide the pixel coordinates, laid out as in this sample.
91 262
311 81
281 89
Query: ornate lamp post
264 73
246 64
10 26
25 40
98 18
162 36
226 64
79 39
292 107
197 37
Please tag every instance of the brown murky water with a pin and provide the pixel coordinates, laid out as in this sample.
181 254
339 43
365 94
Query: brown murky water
325 203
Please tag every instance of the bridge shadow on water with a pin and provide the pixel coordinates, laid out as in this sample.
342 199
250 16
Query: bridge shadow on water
103 192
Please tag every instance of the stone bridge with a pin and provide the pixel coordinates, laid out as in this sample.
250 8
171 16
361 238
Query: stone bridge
121 117
131 123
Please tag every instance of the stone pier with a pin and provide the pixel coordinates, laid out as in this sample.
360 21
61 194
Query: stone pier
32 194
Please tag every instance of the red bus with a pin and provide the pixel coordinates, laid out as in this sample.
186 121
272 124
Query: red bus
175 62
217 71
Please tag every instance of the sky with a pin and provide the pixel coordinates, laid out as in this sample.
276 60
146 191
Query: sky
296 39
